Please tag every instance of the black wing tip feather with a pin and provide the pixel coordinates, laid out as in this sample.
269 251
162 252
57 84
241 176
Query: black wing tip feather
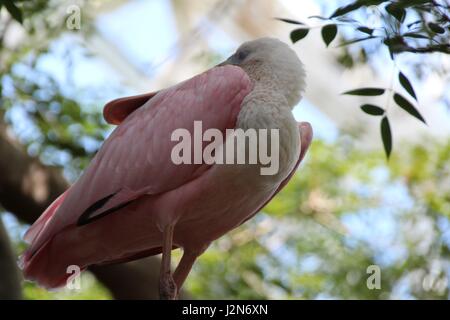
87 217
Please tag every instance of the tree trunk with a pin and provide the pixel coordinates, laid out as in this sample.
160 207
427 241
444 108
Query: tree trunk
9 273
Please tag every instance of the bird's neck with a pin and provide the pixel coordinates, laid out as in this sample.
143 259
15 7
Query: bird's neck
286 81
263 78
265 107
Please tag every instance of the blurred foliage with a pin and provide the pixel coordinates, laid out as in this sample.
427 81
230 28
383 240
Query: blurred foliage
345 210
55 124
61 128
90 290
295 247
403 26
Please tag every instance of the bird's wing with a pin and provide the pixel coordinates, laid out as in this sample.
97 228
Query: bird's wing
136 158
117 110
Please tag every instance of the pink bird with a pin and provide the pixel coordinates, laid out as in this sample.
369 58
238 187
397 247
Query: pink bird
133 201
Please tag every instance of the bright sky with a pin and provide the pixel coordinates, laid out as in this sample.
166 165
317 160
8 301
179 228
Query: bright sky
156 18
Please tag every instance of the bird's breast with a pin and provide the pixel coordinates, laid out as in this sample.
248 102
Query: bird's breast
276 128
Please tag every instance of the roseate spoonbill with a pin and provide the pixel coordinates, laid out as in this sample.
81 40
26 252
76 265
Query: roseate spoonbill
132 201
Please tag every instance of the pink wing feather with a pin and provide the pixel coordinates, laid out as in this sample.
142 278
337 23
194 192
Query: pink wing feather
136 159
40 223
117 110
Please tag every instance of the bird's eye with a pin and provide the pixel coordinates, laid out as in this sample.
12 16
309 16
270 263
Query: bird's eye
241 55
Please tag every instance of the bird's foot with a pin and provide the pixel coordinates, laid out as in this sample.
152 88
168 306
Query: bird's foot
167 288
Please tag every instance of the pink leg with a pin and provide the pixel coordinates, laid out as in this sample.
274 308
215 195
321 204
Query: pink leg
184 267
167 286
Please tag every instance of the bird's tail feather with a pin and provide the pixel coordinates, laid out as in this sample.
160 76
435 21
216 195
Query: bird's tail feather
34 261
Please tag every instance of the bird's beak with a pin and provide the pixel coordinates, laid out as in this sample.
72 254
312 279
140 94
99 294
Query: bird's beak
224 63
230 60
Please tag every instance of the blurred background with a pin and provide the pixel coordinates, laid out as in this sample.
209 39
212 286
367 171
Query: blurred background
346 210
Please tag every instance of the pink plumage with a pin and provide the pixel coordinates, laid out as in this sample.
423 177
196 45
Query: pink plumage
119 207
134 161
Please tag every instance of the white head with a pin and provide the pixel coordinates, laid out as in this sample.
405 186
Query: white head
269 59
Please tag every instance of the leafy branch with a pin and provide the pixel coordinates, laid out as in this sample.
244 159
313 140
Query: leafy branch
400 101
421 36
12 9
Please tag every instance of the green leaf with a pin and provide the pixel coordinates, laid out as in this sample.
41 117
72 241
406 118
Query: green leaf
289 21
386 136
394 45
436 28
13 10
318 17
406 84
298 34
410 3
415 35
355 6
409 25
346 9
346 19
372 110
369 31
372 2
365 92
408 107
329 32
396 11
356 40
